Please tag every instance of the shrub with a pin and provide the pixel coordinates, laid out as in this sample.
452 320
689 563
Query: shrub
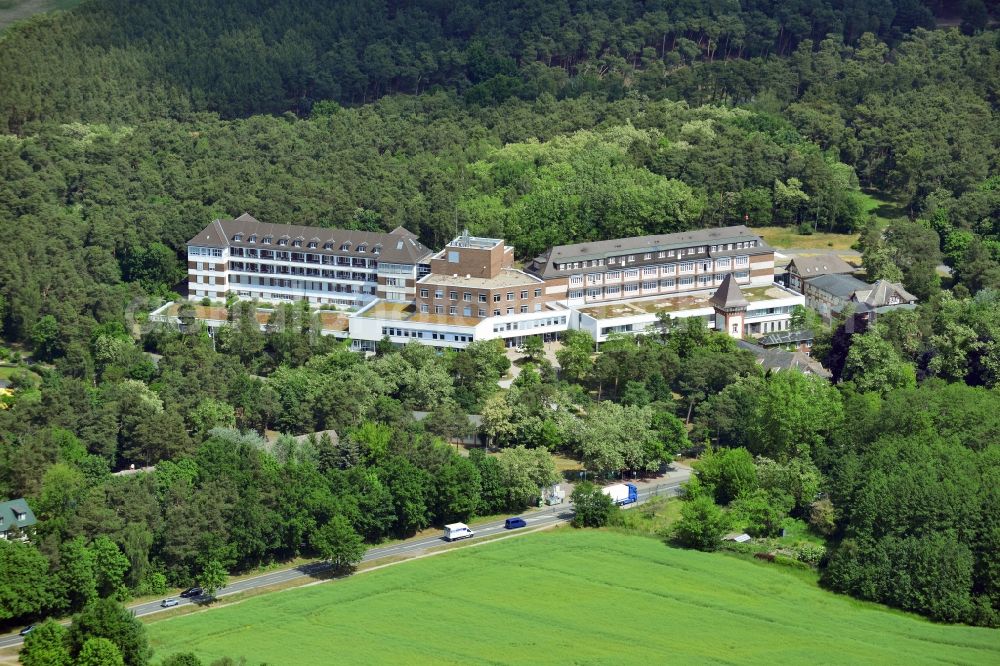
809 553
702 524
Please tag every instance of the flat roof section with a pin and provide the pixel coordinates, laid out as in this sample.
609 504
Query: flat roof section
330 320
388 310
507 277
392 311
679 303
476 242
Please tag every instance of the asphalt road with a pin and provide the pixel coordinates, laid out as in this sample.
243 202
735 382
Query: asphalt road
538 518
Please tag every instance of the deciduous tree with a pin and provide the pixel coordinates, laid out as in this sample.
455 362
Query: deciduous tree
338 543
591 507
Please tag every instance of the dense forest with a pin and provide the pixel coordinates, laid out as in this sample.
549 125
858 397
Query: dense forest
128 126
102 209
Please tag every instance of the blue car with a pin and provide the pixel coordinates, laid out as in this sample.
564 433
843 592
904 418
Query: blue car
514 523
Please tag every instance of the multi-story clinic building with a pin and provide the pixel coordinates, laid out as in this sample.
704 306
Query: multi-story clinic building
389 285
277 262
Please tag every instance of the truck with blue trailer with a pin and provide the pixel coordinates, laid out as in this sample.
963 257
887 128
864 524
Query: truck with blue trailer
622 494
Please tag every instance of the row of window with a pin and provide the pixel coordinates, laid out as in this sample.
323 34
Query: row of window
394 332
767 312
467 296
667 269
309 258
661 254
204 252
481 312
347 302
632 289
301 284
268 269
297 242
530 324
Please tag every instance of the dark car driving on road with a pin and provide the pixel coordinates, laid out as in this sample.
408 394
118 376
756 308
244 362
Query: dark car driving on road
27 630
192 592
514 523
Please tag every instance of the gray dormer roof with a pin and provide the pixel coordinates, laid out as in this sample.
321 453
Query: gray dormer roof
841 286
544 265
825 264
398 246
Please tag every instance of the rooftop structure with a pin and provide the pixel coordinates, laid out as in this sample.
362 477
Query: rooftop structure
475 242
473 257
729 296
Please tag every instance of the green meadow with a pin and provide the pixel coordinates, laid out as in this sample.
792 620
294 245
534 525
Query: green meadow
568 596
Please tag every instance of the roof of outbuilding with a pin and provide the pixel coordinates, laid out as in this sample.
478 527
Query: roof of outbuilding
9 512
398 246
779 359
841 286
824 264
882 292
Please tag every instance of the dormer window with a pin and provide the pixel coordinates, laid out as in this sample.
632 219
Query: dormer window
296 243
362 248
268 239
346 247
312 244
377 249
327 246
237 237
282 241
252 239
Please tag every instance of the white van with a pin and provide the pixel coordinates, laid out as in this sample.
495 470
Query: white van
457 531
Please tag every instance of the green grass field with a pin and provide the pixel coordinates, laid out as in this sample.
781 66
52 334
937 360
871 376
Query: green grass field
789 238
569 597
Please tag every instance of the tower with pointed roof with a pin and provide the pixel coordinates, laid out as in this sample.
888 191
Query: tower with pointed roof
730 307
